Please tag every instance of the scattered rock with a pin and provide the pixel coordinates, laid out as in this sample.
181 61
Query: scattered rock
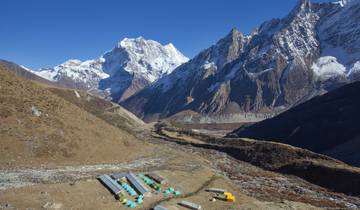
35 111
50 205
77 94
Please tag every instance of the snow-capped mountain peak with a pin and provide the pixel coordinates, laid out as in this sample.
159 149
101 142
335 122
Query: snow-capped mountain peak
145 58
131 59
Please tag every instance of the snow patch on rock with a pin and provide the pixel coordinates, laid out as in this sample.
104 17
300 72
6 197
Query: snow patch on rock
208 65
355 69
149 58
328 67
342 3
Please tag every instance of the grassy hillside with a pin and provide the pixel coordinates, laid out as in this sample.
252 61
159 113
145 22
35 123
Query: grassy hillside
21 72
106 110
38 127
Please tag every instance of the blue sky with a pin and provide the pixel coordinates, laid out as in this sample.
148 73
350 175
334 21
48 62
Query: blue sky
44 33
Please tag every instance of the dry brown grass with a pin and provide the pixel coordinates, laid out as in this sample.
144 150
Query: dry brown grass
106 110
63 134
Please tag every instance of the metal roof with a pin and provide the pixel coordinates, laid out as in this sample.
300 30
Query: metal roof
137 184
215 190
190 205
158 207
117 176
111 184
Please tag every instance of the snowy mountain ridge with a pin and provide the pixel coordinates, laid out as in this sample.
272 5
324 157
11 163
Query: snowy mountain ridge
312 50
145 60
87 73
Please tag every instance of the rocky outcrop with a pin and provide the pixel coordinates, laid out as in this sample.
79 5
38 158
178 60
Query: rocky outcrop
326 124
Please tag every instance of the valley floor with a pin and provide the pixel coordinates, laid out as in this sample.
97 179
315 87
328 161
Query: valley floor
187 168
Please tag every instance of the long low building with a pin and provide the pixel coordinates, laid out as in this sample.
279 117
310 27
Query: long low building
158 207
134 182
190 205
138 185
216 190
111 184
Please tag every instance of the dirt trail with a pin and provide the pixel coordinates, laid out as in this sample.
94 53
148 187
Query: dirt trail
31 176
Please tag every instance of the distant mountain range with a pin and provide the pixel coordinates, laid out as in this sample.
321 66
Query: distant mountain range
326 124
286 61
68 134
130 66
283 63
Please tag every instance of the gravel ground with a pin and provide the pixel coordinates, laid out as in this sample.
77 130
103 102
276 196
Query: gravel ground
266 185
31 176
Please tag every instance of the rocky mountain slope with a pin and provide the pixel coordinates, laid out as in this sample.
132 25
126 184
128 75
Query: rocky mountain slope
284 62
326 124
130 66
